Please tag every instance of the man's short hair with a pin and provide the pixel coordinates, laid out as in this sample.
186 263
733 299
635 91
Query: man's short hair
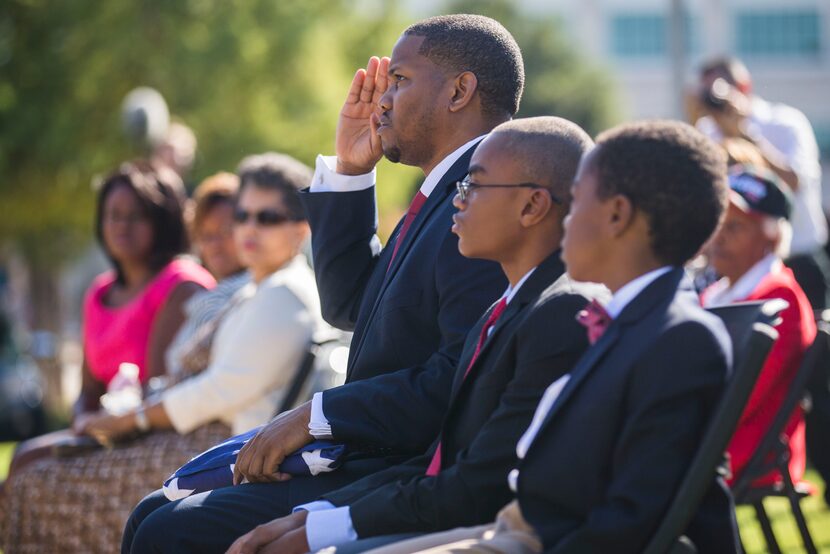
280 172
731 69
673 174
549 150
481 45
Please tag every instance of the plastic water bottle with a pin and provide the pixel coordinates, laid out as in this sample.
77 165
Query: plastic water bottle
124 391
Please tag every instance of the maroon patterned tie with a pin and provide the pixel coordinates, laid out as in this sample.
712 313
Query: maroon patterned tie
595 319
415 207
435 463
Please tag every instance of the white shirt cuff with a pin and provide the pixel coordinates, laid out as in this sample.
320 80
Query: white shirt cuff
318 426
314 506
513 480
326 178
329 528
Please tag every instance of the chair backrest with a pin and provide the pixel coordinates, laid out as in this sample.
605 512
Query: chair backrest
738 318
758 465
316 360
299 380
748 325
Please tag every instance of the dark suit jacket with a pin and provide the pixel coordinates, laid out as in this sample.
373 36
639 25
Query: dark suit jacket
616 444
414 316
536 340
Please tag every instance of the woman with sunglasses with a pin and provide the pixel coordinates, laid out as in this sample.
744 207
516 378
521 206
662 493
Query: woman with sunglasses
255 348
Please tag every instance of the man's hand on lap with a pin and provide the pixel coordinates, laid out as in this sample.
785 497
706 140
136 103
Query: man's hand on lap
259 459
269 536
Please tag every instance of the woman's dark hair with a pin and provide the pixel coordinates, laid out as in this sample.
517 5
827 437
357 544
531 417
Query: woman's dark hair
161 194
279 172
214 191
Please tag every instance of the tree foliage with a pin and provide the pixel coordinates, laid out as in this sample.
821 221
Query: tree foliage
558 81
246 75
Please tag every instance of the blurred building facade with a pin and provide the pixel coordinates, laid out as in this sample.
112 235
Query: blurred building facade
785 44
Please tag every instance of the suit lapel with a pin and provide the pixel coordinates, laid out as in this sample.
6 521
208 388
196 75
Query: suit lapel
444 188
470 348
649 298
436 199
583 368
546 273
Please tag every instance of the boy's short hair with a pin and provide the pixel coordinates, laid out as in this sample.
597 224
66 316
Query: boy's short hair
548 148
673 174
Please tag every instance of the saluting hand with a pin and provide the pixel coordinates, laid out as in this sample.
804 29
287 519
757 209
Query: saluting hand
357 143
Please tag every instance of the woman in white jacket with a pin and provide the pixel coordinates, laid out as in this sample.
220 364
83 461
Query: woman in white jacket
80 503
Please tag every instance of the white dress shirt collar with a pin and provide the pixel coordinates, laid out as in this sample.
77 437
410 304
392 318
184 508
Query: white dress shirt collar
723 293
631 290
511 290
444 165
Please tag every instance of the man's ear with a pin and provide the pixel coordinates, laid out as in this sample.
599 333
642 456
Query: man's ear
621 214
464 88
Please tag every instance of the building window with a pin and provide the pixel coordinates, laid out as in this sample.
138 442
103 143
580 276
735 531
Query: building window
646 35
638 36
823 140
786 33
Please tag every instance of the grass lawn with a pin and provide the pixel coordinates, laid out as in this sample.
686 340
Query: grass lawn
783 524
818 516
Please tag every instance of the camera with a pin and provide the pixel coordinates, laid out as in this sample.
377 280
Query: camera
716 96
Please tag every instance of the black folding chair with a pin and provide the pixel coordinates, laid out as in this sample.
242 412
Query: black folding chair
773 453
750 327
316 360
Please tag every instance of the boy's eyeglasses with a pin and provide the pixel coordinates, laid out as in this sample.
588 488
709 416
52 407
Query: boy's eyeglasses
465 186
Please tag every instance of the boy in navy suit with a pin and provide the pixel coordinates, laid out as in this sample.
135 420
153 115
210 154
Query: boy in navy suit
611 440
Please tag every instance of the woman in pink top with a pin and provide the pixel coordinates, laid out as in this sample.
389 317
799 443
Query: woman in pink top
132 312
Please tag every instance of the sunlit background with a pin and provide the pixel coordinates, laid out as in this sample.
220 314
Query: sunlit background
254 75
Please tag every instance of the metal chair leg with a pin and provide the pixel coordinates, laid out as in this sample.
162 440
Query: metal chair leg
766 527
800 520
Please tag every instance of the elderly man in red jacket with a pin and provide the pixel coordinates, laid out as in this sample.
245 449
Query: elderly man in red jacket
748 252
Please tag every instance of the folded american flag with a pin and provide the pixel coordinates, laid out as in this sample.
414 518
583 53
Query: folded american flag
213 468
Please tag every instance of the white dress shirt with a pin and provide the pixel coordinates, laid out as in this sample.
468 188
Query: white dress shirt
723 293
615 306
328 525
789 131
257 348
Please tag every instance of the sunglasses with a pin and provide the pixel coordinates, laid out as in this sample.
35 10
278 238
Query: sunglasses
465 186
264 218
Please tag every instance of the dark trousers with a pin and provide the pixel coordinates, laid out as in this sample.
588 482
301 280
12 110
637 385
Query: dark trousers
364 545
211 521
818 423
812 272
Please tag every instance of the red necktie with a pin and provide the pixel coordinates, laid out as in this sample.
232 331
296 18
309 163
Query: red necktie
415 207
595 319
435 463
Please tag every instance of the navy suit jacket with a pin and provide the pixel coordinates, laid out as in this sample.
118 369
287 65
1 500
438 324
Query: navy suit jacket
536 340
413 316
615 445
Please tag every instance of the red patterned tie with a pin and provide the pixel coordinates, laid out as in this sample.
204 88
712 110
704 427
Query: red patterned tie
595 319
435 463
415 207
